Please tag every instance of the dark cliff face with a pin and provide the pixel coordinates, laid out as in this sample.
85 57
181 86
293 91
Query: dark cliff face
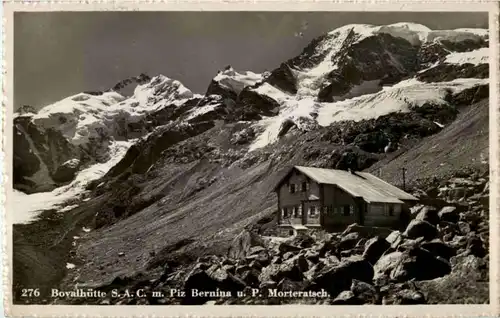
448 72
38 155
252 106
215 88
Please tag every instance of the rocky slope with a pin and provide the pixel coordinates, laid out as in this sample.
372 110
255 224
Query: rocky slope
440 257
199 169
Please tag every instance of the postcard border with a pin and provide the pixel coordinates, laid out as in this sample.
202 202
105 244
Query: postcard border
254 311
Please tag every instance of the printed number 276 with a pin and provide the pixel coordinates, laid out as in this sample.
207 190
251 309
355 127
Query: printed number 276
30 292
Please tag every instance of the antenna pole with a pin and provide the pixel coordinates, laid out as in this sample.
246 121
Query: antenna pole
404 178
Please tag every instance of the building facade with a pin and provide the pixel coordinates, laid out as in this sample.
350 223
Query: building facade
333 199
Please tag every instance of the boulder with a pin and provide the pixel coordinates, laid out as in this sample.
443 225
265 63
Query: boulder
475 246
290 285
468 282
311 255
326 247
251 278
346 297
464 228
210 279
262 257
429 214
242 244
348 241
366 293
416 264
449 214
337 278
288 255
410 297
386 264
224 279
303 240
439 248
408 245
292 269
419 228
401 294
394 239
375 248
256 250
419 264
286 247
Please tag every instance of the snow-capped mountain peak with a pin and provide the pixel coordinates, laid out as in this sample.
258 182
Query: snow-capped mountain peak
236 82
349 74
414 33
161 88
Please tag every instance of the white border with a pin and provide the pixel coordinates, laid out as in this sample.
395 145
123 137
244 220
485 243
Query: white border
257 311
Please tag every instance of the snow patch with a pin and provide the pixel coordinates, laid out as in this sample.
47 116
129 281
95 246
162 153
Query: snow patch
28 206
72 163
68 208
476 57
291 109
70 265
398 98
236 82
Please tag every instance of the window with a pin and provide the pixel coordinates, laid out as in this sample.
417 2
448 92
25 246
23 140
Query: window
347 210
299 211
391 210
292 188
283 212
305 186
329 210
351 209
312 210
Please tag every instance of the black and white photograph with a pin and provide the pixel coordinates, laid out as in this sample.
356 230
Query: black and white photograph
250 158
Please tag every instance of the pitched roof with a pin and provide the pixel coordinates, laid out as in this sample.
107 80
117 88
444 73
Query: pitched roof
358 184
